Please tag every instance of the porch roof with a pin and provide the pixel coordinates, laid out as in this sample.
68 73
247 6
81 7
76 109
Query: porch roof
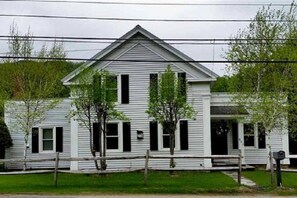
228 110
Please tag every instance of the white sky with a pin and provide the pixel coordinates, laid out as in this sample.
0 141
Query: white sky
163 30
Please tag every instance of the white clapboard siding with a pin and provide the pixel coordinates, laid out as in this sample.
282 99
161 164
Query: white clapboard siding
138 90
54 118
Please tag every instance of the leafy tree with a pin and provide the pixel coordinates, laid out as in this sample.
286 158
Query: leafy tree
221 84
262 88
95 101
32 82
168 104
5 139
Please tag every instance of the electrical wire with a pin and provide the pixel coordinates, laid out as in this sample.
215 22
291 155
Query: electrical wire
142 19
149 61
150 3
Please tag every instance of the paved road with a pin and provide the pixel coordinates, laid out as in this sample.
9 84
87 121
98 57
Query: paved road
139 196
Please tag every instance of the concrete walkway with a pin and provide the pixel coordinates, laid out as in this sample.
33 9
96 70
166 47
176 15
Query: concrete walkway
244 181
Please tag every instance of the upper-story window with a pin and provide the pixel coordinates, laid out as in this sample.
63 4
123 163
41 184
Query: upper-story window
117 88
182 84
112 88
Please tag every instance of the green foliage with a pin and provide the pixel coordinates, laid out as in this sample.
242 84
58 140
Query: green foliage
262 88
222 84
95 99
168 104
31 82
168 100
5 139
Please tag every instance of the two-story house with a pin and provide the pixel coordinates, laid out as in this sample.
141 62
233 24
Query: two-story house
133 59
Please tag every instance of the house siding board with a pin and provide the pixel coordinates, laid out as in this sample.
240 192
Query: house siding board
54 118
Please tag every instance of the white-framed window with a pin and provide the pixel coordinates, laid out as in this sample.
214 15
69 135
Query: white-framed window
114 135
112 87
254 136
164 139
249 134
47 141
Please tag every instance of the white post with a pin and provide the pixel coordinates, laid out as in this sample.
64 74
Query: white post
74 143
241 141
206 130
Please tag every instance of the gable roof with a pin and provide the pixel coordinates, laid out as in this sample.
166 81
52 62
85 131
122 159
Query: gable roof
125 38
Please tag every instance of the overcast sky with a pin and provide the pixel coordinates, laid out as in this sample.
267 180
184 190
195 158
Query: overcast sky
163 30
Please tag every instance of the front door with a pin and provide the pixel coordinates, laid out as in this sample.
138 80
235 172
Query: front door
219 138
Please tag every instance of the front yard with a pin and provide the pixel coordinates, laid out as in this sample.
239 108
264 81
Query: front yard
158 182
133 183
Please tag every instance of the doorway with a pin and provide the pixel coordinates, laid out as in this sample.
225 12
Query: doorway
219 142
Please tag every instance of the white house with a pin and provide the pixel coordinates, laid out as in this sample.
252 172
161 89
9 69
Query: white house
134 59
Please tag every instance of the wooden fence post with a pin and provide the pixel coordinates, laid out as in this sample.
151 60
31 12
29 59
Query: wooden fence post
239 167
56 169
146 166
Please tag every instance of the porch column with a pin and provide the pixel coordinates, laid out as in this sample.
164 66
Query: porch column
241 140
74 143
206 129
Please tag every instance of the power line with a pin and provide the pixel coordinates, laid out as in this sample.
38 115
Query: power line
140 19
150 39
151 3
149 61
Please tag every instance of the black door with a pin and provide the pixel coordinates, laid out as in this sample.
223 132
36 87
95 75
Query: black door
293 150
219 138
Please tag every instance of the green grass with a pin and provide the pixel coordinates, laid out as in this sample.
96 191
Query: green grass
262 179
158 182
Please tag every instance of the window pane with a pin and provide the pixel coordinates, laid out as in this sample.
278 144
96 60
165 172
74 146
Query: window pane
48 145
112 143
261 136
112 129
48 134
166 142
249 135
112 88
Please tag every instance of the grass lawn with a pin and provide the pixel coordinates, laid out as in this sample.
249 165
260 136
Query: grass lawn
158 182
262 179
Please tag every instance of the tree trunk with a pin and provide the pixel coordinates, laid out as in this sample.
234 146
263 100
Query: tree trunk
93 152
25 151
172 142
103 162
269 165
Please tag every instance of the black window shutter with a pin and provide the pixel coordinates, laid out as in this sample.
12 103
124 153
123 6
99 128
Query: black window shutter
153 136
35 140
184 141
125 89
261 137
182 84
59 139
126 136
235 135
96 136
153 85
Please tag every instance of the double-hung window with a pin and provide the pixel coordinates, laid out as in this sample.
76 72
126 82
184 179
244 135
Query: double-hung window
254 135
249 134
160 140
112 88
112 136
48 139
